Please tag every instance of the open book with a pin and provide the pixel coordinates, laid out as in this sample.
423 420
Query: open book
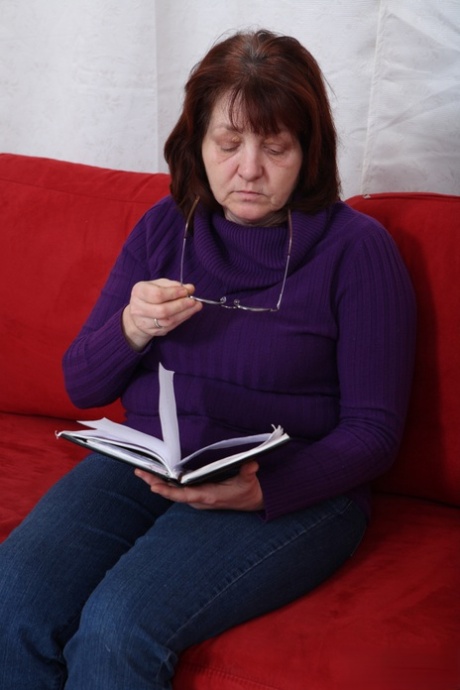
163 457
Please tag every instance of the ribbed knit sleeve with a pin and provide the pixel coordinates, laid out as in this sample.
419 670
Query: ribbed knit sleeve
99 364
375 313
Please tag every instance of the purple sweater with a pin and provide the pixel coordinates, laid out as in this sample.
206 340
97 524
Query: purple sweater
333 366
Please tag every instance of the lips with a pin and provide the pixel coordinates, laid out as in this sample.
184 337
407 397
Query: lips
248 193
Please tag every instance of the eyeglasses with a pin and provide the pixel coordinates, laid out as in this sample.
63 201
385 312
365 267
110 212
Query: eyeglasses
236 304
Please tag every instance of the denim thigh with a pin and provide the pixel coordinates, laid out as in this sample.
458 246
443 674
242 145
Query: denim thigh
52 562
105 583
196 574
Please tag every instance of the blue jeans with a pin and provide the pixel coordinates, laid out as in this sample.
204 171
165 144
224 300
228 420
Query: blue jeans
104 583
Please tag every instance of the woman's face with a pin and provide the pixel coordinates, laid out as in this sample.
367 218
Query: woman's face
251 175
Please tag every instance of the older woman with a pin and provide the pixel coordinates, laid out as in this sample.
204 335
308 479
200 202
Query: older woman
274 303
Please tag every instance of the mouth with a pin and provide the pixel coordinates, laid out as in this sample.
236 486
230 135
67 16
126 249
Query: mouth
249 194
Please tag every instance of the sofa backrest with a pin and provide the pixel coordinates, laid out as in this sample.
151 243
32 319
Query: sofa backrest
426 228
62 226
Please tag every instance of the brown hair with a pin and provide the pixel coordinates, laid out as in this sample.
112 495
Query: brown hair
279 84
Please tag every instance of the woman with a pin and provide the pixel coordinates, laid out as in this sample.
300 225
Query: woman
274 303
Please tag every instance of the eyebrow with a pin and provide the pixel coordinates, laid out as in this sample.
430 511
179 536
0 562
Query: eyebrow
227 127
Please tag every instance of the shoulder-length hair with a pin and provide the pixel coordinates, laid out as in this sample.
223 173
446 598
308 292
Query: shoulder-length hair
279 84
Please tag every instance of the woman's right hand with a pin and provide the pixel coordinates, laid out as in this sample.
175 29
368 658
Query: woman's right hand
165 303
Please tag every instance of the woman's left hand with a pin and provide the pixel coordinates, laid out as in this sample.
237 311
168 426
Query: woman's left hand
242 492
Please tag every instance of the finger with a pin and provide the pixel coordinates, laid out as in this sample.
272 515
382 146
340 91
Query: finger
169 305
174 284
203 497
249 468
162 487
145 476
172 314
161 291
151 479
168 283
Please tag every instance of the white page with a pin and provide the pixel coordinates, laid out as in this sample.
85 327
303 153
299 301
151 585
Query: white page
168 414
125 434
278 436
256 439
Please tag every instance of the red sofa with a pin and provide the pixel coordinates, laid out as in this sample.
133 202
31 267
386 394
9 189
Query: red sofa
390 619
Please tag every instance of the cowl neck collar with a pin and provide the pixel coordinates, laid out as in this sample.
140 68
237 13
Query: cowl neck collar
242 256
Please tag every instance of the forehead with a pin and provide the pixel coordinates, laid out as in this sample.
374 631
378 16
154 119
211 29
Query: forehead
228 114
233 113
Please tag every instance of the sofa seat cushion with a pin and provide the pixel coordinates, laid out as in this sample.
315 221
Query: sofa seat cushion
31 461
387 620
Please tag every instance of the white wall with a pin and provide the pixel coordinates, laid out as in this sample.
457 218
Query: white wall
100 81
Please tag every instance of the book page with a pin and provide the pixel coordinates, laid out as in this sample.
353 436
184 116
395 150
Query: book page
120 434
128 444
263 443
168 415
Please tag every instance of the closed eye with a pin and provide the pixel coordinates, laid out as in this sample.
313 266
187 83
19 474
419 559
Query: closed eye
275 151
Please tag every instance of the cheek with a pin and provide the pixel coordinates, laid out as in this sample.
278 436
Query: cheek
286 185
218 176
213 179
294 178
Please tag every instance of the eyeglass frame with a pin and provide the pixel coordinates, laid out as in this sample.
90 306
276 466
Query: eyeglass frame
236 302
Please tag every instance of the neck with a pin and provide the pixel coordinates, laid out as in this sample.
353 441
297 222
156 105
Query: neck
271 219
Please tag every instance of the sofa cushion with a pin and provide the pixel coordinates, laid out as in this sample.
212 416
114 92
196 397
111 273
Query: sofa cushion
32 460
426 228
387 620
62 227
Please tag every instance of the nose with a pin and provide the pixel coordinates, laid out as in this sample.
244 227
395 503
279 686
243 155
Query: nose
250 164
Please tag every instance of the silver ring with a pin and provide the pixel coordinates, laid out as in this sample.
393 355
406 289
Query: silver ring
157 324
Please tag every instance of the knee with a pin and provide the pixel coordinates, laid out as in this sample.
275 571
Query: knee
28 627
114 636
120 614
22 603
102 628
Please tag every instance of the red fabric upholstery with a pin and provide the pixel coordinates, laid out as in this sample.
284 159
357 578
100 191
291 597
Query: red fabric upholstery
426 228
374 626
390 619
62 226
